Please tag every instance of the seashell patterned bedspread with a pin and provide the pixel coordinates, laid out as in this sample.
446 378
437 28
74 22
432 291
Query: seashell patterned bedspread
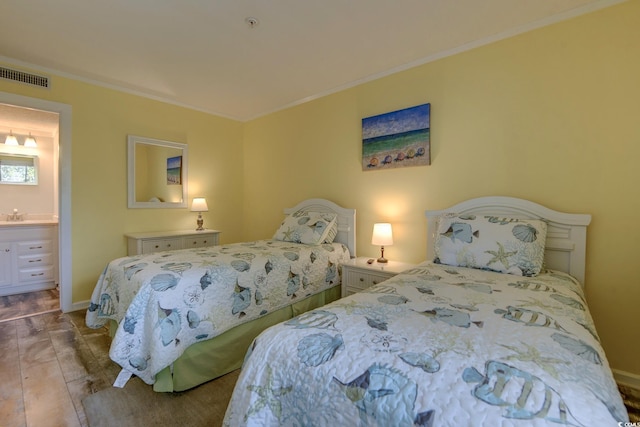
434 346
166 301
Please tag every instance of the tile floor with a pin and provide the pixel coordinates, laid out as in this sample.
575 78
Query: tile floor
48 364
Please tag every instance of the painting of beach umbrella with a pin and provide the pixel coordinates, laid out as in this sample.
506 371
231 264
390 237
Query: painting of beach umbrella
397 139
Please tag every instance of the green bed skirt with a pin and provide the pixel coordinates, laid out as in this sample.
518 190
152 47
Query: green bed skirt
218 356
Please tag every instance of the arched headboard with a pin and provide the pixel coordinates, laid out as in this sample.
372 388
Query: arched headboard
346 219
565 248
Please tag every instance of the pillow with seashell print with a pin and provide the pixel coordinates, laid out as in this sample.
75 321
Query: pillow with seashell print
507 245
310 228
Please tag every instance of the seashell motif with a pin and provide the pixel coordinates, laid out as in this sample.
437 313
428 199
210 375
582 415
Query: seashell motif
400 157
303 220
193 296
268 267
245 256
420 151
170 327
393 299
388 159
411 153
291 256
241 299
193 319
163 282
377 324
293 283
320 319
316 349
177 267
259 298
568 301
129 324
422 361
133 269
525 233
373 162
578 347
313 257
240 265
107 307
139 363
205 281
501 221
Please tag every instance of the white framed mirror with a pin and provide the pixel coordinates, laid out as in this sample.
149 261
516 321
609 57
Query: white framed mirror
157 173
20 169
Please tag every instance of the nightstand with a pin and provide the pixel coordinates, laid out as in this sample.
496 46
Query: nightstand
358 275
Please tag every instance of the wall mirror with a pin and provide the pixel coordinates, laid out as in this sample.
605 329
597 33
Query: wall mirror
18 169
157 173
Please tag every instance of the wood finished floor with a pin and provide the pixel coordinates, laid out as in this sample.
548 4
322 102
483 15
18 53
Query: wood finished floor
48 364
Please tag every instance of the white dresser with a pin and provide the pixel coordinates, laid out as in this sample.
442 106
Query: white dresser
28 258
156 241
358 274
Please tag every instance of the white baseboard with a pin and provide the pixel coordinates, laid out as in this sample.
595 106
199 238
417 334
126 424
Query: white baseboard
627 378
82 305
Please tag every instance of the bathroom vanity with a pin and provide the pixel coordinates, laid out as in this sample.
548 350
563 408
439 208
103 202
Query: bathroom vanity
28 256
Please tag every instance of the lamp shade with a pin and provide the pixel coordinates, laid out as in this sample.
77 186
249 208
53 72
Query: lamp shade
11 140
30 141
199 205
382 234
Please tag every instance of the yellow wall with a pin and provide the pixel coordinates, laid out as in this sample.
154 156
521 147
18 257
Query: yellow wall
552 116
101 120
549 116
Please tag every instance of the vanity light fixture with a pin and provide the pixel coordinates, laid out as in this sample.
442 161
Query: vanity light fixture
383 236
11 139
199 205
30 141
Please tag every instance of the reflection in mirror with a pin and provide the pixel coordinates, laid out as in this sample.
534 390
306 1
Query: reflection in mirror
18 169
157 173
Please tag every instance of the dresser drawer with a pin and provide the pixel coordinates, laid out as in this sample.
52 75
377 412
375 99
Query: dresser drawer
357 280
35 260
199 242
41 274
34 247
155 245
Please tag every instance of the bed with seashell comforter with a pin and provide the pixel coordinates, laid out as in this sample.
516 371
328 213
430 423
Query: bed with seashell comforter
495 330
217 299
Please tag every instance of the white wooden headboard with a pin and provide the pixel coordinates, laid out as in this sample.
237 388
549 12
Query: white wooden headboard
566 233
346 219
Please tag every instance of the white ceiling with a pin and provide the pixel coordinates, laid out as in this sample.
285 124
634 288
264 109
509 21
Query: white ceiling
203 55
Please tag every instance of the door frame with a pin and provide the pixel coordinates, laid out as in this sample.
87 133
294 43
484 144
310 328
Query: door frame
64 188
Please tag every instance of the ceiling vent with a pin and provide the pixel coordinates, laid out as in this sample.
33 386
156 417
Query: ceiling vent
26 78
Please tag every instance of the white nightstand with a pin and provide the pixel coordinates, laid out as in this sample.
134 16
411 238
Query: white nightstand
146 243
358 275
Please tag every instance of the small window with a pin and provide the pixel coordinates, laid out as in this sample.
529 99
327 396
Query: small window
18 169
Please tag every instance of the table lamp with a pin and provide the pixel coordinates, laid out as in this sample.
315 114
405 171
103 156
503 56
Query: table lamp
383 236
199 205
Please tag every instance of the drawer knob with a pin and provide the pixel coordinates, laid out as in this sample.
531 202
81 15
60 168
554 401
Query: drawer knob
375 282
361 279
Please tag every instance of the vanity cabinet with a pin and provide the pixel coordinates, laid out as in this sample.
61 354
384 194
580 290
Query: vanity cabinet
28 258
146 243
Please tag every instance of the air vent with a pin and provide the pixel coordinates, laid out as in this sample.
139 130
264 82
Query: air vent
22 77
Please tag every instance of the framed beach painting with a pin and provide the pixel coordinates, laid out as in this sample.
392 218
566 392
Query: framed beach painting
397 139
174 170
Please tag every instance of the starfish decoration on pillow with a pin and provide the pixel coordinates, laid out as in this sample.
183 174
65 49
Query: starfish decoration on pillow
500 256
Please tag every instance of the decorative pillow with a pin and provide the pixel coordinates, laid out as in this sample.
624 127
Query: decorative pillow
507 245
310 228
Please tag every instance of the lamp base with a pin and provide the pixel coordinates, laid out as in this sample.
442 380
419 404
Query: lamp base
200 223
382 260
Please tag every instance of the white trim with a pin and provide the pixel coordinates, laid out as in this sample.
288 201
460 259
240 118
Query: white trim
626 378
64 187
566 243
588 8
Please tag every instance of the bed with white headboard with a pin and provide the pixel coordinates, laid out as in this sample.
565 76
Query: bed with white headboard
443 344
566 244
188 316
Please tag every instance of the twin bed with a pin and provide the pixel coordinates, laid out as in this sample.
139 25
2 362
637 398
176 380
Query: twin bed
493 330
184 317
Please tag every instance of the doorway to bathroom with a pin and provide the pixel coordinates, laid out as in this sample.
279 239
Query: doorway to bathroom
49 123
